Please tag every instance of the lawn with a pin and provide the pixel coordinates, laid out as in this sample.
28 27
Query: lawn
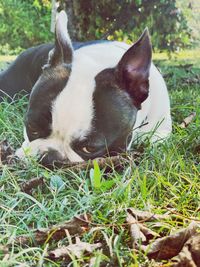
164 179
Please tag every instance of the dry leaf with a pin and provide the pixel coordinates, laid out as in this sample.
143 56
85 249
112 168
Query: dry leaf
29 185
148 232
187 120
146 215
77 225
190 254
139 232
167 247
136 235
76 249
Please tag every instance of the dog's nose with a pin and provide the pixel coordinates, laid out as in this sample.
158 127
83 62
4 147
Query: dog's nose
52 158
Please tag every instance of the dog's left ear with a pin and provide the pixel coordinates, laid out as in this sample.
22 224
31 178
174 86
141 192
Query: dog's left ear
63 51
133 69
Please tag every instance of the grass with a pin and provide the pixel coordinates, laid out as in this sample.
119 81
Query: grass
4 60
166 177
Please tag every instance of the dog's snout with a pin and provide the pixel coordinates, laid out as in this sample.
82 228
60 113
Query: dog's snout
52 158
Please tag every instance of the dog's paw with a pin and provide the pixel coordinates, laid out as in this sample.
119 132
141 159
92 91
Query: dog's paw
28 149
20 153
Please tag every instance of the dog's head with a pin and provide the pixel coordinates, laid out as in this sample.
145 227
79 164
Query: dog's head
85 102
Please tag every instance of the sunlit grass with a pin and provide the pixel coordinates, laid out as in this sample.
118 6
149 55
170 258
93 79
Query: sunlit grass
184 57
6 58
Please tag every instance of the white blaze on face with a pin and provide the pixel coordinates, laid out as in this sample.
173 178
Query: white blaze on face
72 110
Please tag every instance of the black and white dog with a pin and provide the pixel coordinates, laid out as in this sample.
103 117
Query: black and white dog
87 98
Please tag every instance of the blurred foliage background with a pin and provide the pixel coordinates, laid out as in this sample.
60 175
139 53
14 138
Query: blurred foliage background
173 24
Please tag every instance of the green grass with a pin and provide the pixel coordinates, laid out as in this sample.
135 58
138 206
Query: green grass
167 176
4 60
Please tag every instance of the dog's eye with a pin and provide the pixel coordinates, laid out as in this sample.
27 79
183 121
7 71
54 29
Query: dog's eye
88 149
32 130
34 133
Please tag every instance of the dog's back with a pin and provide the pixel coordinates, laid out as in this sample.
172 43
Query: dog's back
22 74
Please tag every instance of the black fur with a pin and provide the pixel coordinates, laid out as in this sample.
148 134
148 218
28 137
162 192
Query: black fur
22 74
111 105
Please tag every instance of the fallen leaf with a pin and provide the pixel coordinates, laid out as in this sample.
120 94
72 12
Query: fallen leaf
136 235
76 249
29 185
167 247
187 120
148 232
77 225
190 253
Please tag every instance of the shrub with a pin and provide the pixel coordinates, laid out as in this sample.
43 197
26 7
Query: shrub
24 23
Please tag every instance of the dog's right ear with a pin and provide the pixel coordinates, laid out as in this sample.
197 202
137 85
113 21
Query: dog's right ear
134 67
63 50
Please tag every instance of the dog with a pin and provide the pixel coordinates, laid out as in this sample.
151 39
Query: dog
86 98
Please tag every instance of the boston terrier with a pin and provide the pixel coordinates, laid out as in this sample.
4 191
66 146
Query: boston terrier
87 99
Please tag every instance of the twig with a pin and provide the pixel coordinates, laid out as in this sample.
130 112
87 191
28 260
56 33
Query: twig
113 161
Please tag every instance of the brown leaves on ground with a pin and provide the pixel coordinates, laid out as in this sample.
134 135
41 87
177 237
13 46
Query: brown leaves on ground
183 247
190 253
169 246
139 233
180 249
78 225
76 249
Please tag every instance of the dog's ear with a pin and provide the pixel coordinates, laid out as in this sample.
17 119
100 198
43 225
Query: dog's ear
133 69
63 51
